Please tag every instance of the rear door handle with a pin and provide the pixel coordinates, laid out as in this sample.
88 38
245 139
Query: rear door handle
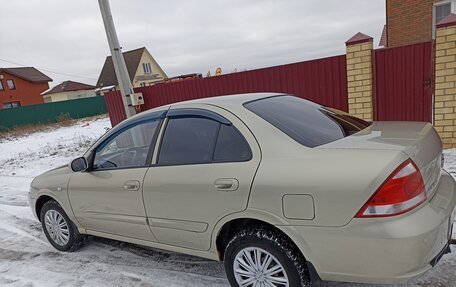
131 185
226 184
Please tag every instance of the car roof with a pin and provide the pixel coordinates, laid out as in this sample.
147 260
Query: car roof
236 99
227 101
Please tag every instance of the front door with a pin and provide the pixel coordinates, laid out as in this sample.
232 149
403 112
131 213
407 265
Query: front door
204 170
108 198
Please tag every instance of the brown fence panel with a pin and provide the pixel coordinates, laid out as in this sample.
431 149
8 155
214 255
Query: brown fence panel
323 81
403 83
115 107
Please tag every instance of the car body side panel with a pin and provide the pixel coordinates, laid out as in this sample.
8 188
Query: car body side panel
182 203
339 181
101 203
200 253
176 194
53 183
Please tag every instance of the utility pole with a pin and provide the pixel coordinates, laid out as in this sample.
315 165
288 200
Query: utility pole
118 60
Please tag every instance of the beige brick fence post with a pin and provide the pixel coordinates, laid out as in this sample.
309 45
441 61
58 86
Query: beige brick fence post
359 76
445 81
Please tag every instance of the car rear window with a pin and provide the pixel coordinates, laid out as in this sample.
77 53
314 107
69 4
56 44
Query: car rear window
307 123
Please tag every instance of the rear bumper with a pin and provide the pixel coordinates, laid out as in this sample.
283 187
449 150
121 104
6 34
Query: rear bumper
385 250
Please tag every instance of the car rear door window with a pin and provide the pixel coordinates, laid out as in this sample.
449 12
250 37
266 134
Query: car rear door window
307 123
197 140
188 140
231 146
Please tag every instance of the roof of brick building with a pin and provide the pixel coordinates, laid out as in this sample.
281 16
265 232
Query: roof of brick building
27 73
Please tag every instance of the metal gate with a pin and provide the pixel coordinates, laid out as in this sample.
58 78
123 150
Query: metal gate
403 86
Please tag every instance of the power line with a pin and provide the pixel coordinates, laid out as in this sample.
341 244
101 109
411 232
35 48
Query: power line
49 71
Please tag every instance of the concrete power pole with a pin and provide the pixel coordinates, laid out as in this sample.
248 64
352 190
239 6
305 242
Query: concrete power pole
118 60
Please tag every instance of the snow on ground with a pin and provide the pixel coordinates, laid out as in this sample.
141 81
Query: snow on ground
33 154
450 161
450 166
27 259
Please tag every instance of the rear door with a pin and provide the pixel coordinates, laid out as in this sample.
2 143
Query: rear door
203 171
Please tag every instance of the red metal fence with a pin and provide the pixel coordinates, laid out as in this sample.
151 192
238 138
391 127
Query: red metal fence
323 81
115 107
403 85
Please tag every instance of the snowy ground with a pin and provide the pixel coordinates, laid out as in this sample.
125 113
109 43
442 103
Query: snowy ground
27 259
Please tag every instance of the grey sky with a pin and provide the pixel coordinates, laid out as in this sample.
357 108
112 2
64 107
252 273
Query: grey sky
183 36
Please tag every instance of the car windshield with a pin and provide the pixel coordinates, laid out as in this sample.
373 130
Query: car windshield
307 123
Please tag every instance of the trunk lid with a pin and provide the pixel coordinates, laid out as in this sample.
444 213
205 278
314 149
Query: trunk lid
417 140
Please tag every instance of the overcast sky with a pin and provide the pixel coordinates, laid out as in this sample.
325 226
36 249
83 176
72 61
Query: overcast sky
68 37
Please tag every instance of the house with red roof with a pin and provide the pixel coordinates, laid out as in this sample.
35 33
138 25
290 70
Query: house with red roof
22 87
68 90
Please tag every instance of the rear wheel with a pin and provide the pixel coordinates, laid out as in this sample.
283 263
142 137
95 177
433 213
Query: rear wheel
59 229
261 257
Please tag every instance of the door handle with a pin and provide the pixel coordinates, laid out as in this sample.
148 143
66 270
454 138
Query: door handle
226 184
131 185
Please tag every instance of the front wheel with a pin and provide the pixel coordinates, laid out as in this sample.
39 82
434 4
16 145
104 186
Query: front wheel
261 257
59 229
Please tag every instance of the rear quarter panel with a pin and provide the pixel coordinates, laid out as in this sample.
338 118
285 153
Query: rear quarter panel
339 181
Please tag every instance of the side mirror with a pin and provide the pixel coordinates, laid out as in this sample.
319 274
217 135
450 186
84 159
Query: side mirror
79 164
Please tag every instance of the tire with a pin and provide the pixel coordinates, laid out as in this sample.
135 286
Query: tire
265 242
67 238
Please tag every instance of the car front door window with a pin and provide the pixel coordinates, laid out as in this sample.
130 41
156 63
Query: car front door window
128 148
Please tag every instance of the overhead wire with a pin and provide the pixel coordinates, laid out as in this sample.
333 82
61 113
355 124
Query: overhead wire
48 70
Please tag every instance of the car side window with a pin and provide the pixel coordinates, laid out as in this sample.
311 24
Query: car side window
231 146
188 140
197 140
128 148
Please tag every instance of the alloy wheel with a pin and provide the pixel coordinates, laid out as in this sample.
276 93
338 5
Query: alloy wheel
256 267
57 227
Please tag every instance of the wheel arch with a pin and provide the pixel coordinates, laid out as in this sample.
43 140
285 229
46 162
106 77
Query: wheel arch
230 225
41 200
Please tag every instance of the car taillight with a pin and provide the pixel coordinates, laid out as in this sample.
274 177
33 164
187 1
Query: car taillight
402 191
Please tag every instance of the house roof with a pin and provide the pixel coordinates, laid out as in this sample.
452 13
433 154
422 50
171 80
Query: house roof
68 86
108 74
27 73
384 38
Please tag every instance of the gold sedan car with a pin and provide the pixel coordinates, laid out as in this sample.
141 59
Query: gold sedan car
281 189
